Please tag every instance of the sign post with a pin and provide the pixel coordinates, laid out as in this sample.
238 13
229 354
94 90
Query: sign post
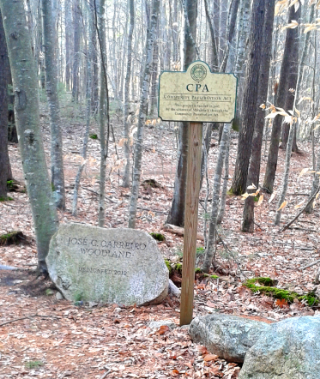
196 96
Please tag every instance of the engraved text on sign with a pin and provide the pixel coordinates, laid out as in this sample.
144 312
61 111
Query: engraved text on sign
197 95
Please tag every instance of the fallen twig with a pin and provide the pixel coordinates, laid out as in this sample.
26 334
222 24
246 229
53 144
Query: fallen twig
179 231
105 374
302 210
29 317
310 264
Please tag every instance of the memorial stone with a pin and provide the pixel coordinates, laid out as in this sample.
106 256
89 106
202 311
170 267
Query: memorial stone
122 266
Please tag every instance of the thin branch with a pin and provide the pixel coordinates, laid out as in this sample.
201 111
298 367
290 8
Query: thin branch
29 317
310 264
302 210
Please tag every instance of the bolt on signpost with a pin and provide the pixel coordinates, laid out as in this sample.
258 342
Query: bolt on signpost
196 96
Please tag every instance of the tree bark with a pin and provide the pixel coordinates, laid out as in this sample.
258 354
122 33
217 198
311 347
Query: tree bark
57 175
154 76
103 109
69 36
223 198
176 213
28 124
210 248
126 174
254 167
4 81
250 99
292 79
151 35
88 113
242 48
76 50
290 48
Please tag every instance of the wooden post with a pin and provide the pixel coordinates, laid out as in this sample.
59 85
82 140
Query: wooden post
191 220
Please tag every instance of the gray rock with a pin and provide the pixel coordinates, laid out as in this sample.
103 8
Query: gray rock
158 324
59 295
229 337
173 289
122 266
289 350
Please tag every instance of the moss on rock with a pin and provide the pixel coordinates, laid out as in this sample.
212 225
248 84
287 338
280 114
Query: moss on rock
265 286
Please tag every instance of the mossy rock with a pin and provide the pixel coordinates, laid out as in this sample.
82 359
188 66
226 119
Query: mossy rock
158 236
93 136
169 267
12 238
265 286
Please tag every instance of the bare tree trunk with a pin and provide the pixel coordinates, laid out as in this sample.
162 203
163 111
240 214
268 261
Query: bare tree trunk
254 167
222 206
28 124
151 35
176 213
126 175
290 47
69 37
210 248
4 81
88 113
239 182
240 66
214 49
95 73
103 108
232 20
76 47
154 76
57 175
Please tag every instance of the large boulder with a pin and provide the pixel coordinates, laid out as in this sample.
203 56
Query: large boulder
122 266
229 337
289 350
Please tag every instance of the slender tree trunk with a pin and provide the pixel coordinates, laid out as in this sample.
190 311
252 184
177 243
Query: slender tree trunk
69 37
176 213
151 35
250 99
4 81
126 175
292 83
254 168
154 76
232 20
216 25
242 49
88 113
95 74
223 35
28 124
103 109
287 61
57 175
214 48
210 248
222 206
76 50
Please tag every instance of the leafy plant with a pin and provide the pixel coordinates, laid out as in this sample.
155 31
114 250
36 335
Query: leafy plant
34 364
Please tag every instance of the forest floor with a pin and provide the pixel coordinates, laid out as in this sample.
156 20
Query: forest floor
41 336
